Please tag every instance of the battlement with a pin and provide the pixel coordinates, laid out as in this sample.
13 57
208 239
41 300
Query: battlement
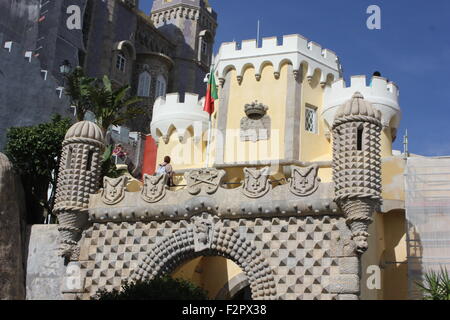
169 113
382 93
172 100
294 48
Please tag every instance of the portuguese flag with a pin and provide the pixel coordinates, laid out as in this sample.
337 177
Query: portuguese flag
211 93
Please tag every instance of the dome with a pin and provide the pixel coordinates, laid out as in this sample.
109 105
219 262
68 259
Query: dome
357 106
85 129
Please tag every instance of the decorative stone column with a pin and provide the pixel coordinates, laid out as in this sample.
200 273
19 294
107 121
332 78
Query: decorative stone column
357 177
357 165
79 174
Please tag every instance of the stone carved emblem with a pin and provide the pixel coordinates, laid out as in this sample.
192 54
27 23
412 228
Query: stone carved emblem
203 179
154 188
203 233
256 125
113 190
256 182
304 181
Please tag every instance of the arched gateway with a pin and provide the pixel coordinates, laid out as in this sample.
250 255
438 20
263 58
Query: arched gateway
203 239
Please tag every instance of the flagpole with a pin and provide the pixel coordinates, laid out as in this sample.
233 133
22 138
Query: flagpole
208 147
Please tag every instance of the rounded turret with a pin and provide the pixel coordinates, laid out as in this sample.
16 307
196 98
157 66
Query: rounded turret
85 130
357 164
78 178
380 92
169 113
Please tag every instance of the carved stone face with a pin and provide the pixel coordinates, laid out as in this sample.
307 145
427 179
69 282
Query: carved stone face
256 183
361 244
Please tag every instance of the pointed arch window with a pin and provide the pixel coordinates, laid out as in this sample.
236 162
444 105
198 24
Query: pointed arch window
145 80
161 86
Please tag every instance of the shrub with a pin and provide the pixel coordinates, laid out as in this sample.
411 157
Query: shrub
161 288
436 285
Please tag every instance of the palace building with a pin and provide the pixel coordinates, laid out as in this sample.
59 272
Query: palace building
289 190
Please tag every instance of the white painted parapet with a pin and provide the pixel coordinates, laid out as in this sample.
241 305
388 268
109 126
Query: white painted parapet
170 115
383 95
295 49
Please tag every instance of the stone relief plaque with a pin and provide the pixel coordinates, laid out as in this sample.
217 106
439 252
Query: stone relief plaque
256 182
256 125
204 179
304 181
203 233
113 190
154 188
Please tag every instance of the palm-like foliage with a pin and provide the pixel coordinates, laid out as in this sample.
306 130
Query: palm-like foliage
77 89
436 285
112 106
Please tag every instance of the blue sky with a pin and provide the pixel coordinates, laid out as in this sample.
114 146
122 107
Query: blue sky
412 49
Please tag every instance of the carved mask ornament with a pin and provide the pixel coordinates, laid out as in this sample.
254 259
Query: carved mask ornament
113 190
203 233
304 181
154 188
256 182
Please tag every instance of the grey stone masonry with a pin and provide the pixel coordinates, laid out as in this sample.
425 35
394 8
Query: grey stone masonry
28 94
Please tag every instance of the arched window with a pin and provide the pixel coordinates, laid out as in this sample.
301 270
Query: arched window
121 62
205 45
145 81
161 86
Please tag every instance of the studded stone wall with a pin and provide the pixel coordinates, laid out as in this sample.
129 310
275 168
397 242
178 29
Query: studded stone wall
78 177
299 258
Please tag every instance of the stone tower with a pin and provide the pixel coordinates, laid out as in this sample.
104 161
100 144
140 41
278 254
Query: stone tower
79 174
357 165
191 25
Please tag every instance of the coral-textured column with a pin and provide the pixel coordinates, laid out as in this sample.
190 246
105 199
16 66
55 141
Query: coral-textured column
78 177
357 165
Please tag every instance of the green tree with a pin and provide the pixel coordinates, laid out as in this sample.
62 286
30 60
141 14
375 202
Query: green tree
77 89
34 152
112 106
436 285
162 288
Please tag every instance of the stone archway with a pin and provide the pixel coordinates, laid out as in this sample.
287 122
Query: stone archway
184 245
232 287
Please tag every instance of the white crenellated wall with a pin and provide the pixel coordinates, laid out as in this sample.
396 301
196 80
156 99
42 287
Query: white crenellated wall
169 113
383 95
295 49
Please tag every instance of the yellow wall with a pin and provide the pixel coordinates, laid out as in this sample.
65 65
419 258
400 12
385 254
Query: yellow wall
387 250
313 146
392 175
185 155
395 253
269 91
209 273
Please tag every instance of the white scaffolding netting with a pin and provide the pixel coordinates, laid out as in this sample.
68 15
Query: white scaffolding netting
427 191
